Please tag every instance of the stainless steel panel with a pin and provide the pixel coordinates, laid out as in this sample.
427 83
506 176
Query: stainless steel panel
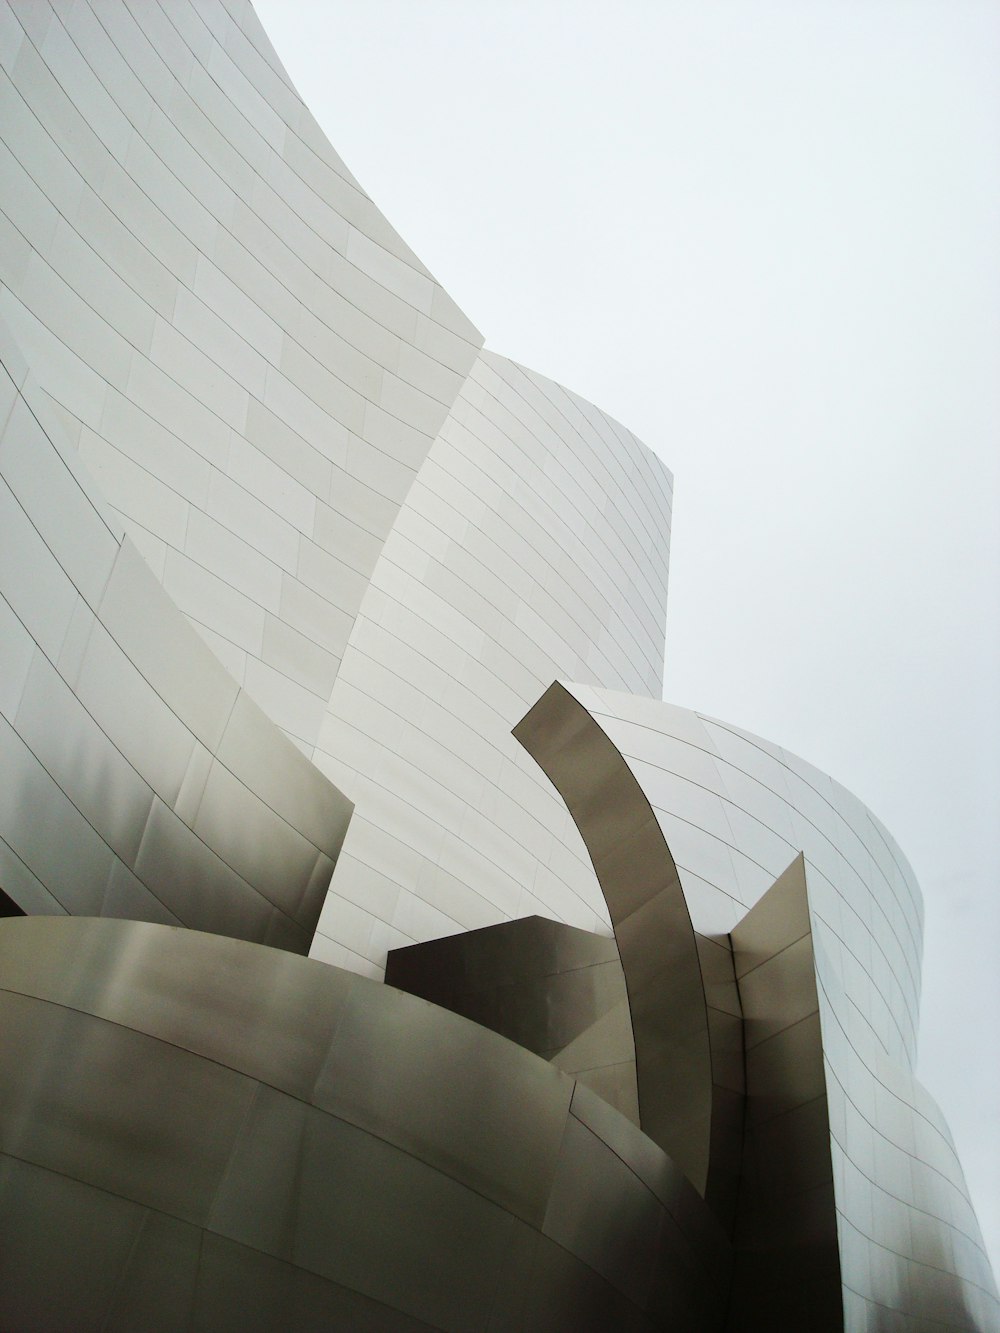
786 1234
156 1288
563 1293
257 1010
77 754
64 1246
601 1212
194 882
282 777
241 1290
33 584
547 986
389 1226
46 487
108 1106
504 1124
147 626
74 867
652 926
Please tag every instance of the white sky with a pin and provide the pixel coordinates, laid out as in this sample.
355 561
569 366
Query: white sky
765 236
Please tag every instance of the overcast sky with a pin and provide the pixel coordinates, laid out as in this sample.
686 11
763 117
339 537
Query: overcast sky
765 237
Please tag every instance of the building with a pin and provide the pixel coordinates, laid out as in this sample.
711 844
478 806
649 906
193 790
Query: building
290 566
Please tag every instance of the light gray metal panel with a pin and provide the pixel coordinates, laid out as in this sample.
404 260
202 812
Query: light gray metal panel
72 867
514 557
48 490
115 803
146 625
142 158
79 756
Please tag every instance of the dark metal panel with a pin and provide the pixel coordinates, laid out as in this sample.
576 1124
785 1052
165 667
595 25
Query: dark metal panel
258 1201
600 1211
786 1070
564 1295
156 1291
392 1226
241 1290
63 1247
554 989
786 1233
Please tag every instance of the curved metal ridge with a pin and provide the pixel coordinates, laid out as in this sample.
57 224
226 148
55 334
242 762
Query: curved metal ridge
651 921
201 1132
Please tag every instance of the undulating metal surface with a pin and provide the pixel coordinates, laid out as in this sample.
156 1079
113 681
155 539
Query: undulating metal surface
139 779
735 811
247 357
236 410
554 989
533 545
199 1132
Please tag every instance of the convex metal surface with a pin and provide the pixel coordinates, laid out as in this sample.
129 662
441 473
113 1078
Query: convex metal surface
243 1139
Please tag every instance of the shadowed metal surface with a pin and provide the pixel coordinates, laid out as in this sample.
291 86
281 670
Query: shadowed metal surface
652 926
554 989
735 809
199 1132
787 1264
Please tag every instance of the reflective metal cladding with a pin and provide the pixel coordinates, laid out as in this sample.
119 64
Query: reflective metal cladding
289 565
323 1148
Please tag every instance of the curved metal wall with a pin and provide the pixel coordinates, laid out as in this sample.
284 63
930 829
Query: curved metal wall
735 810
392 543
533 543
246 355
139 779
201 1133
